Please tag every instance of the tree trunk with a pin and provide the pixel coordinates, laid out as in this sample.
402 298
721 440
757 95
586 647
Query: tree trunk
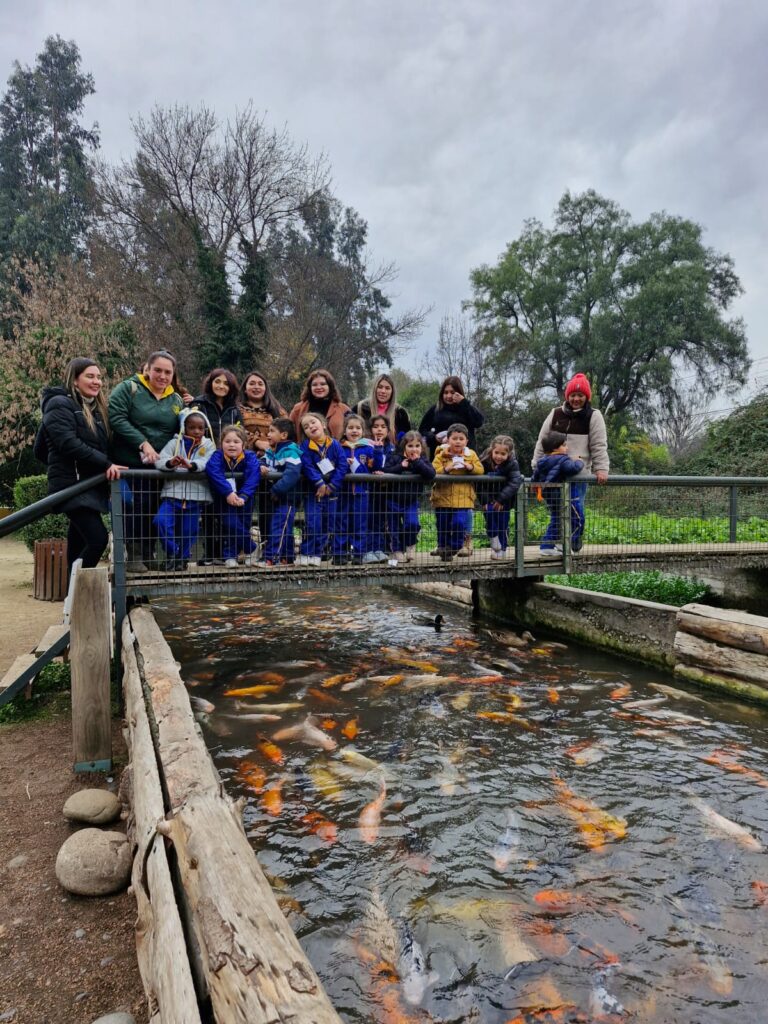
692 650
725 626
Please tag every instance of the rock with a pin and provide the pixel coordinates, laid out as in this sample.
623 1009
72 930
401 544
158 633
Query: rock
94 863
106 961
92 806
18 862
116 1018
11 1015
80 933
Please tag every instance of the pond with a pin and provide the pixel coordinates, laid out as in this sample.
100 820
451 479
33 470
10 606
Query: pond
465 830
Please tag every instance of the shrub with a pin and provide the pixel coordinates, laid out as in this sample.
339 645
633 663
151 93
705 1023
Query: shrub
26 491
648 586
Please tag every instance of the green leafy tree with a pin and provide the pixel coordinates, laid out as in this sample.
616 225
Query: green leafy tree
629 304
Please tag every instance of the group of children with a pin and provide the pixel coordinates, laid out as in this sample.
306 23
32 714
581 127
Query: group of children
352 522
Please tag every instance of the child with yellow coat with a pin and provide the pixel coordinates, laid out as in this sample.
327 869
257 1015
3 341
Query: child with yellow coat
454 501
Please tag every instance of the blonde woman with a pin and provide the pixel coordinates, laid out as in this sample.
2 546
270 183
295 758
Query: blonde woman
383 402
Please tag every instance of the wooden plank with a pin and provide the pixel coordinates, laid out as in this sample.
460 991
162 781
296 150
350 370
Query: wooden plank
256 970
90 626
20 665
693 650
722 683
51 636
160 944
725 626
187 766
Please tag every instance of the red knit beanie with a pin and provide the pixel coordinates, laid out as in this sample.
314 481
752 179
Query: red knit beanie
578 383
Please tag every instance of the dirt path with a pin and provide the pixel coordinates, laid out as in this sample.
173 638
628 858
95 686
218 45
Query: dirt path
62 958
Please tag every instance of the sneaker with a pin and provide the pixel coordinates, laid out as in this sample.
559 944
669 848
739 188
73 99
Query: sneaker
466 550
495 544
553 552
410 552
446 555
230 563
399 556
205 561
252 559
370 558
266 564
436 552
136 567
499 554
381 556
302 560
576 546
340 560
314 560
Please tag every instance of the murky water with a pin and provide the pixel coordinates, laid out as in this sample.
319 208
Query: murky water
529 843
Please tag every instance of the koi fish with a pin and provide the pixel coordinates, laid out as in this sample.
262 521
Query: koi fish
254 691
508 843
358 760
422 666
464 642
306 732
201 704
508 717
594 824
552 695
761 892
270 750
675 694
355 684
251 775
272 798
412 967
258 717
483 680
324 698
321 827
426 681
507 666
639 705
722 760
325 782
370 817
350 729
620 692
260 677
513 701
461 701
585 752
728 828
328 724
559 900
344 677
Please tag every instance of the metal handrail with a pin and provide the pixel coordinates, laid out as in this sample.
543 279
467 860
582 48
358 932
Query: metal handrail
38 509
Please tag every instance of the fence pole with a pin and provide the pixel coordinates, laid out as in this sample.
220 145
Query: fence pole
520 516
90 642
118 557
733 512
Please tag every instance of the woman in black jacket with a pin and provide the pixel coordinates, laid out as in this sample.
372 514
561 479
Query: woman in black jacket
383 402
451 407
74 438
219 401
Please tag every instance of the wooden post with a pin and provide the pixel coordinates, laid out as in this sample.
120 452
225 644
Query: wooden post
89 649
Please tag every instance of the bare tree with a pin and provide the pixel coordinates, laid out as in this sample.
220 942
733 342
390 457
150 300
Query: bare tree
679 418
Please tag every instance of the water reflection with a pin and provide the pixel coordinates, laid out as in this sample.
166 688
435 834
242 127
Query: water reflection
468 831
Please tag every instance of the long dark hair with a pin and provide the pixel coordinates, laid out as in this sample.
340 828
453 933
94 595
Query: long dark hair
234 387
333 388
269 402
456 384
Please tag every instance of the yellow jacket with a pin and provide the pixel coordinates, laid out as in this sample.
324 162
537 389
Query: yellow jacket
460 494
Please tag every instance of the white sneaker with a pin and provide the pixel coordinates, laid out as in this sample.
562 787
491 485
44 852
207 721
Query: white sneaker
230 563
381 556
410 552
314 560
302 560
555 552
495 544
498 554
369 558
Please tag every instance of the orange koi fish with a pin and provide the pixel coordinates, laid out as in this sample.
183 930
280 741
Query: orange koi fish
760 890
324 698
270 750
370 817
328 724
594 824
508 717
722 759
351 729
251 775
620 692
483 680
272 798
549 940
253 691
321 827
560 900
552 695
465 642
393 680
345 677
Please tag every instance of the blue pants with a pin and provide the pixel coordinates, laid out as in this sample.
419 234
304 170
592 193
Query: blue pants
354 507
552 497
453 524
280 534
236 529
497 525
323 522
177 523
403 523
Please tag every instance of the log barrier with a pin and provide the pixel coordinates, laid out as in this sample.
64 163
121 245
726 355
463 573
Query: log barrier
723 648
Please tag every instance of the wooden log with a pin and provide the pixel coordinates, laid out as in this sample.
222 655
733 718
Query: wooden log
455 593
256 970
725 626
693 650
724 684
186 764
90 642
160 944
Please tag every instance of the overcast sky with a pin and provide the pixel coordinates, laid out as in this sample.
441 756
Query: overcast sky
448 123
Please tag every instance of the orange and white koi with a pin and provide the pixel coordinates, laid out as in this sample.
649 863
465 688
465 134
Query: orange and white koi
270 750
344 677
350 729
370 817
272 798
722 759
254 691
321 827
306 732
594 824
324 698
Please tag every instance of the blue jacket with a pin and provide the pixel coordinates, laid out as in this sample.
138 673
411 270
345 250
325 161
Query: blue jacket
510 471
408 490
312 454
381 453
365 454
221 475
552 469
286 459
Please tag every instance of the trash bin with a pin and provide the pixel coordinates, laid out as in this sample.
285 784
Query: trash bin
50 570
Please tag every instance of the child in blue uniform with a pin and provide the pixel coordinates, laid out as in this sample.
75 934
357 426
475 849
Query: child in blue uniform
554 467
233 500
186 491
377 516
411 456
324 466
499 460
284 456
361 458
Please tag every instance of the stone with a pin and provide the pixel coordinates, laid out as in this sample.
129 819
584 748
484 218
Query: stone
9 1015
92 806
18 862
80 933
116 1018
94 863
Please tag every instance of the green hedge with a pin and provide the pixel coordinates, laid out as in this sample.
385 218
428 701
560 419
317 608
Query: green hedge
26 491
648 586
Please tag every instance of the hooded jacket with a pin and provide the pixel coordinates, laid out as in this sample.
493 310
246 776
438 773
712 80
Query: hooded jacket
136 416
407 491
286 459
187 484
586 433
75 452
460 494
553 469
510 472
218 418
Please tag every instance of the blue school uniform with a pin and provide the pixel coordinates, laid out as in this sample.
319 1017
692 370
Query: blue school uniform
235 521
184 494
403 500
322 516
377 505
497 522
286 459
554 469
355 498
